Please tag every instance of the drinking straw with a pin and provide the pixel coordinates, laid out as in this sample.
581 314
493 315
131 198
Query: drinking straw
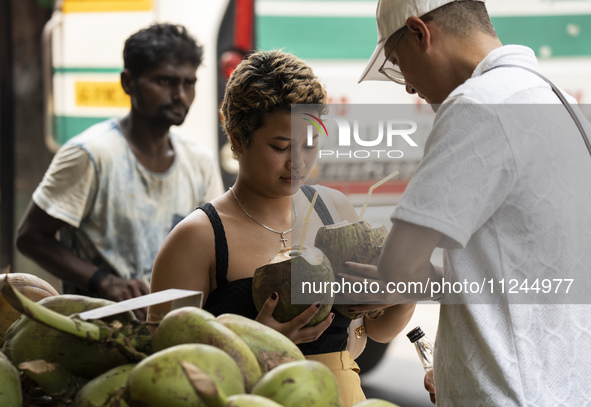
374 186
308 220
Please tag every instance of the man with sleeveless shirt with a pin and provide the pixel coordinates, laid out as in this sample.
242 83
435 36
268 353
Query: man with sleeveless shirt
114 192
501 198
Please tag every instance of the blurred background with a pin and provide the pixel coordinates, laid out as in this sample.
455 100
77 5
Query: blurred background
59 71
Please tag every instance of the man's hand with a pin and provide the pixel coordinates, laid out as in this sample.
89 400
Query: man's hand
430 386
118 289
376 296
294 329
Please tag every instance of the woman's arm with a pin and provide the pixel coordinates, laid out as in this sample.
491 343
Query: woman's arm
185 261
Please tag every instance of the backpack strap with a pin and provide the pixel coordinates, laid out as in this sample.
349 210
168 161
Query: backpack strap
560 96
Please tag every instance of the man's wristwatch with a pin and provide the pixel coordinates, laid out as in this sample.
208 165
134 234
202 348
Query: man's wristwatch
95 281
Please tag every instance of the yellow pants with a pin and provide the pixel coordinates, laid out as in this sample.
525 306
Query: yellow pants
346 371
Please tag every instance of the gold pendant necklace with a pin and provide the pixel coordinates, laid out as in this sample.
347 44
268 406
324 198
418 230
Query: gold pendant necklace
281 234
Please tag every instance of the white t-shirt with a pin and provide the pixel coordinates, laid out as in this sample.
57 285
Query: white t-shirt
513 200
118 212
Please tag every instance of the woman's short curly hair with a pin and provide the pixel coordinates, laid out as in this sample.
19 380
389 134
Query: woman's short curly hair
266 82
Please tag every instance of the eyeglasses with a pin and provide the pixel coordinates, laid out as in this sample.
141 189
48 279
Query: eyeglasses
393 73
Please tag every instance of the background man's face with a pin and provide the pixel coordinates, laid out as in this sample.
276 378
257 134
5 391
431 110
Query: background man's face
164 93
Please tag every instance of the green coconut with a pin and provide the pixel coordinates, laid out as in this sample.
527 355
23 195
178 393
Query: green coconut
285 274
105 390
301 383
270 347
10 384
195 325
53 380
27 340
212 394
31 286
159 380
358 242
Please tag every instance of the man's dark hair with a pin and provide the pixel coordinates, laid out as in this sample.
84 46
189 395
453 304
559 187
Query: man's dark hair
151 45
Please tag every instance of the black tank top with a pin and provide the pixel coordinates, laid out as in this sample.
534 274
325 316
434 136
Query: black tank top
235 297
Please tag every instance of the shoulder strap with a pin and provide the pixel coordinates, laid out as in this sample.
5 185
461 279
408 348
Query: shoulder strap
560 96
221 244
319 206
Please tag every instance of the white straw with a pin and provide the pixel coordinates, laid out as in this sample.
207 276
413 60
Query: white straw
374 186
308 220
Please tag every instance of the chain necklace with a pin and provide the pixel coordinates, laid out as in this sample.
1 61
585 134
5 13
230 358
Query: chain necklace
283 239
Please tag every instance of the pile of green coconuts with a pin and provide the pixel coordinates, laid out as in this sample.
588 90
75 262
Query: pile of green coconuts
51 357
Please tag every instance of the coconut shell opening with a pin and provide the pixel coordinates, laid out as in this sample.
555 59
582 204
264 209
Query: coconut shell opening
339 224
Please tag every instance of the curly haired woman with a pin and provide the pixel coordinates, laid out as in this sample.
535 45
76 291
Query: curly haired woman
217 248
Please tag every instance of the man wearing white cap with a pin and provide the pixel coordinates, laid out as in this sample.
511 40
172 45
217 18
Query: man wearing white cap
504 199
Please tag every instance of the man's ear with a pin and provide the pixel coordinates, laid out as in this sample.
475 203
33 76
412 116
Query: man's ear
127 82
420 29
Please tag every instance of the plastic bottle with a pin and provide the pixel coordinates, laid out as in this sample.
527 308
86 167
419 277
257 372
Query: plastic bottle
423 346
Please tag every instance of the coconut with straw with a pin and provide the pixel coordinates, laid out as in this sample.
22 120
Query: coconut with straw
358 242
293 273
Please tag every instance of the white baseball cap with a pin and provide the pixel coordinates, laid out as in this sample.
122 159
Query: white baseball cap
391 16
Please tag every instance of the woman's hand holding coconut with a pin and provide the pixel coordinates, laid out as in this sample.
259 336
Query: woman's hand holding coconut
294 329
